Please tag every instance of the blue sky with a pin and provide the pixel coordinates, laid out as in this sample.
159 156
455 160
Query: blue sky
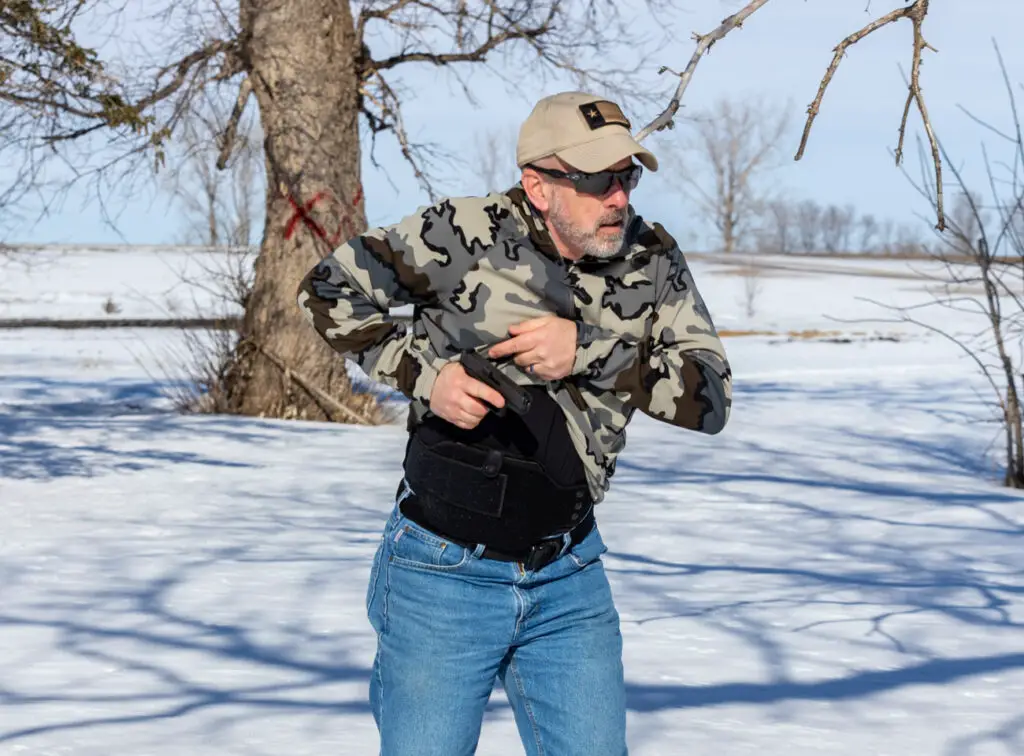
779 56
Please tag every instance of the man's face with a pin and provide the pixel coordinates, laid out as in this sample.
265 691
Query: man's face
586 224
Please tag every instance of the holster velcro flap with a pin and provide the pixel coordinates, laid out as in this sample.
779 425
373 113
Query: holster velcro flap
479 488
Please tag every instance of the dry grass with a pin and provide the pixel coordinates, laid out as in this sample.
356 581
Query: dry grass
808 334
726 333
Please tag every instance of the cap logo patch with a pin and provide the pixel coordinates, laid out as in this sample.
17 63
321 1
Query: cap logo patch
603 113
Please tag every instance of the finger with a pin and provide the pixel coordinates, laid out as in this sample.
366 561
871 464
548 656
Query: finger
457 415
530 357
513 345
502 348
476 414
540 369
480 390
530 325
473 408
465 422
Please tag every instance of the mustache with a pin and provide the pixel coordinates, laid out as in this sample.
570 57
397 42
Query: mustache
609 218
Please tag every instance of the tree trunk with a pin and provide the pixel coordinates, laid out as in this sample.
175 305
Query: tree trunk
729 201
1014 437
301 61
729 224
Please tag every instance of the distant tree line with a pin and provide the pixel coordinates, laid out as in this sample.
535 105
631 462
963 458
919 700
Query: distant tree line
788 227
722 166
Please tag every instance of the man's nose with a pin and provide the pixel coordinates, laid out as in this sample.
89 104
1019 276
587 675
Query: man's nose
617 196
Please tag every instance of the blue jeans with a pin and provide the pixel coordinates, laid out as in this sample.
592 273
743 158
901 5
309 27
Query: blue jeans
449 623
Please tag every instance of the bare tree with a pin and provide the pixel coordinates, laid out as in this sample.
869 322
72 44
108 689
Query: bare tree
909 242
967 219
983 259
808 222
494 159
752 288
316 70
837 225
886 235
868 232
221 207
733 144
778 231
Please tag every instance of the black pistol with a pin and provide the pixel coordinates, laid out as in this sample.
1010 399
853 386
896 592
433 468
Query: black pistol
517 398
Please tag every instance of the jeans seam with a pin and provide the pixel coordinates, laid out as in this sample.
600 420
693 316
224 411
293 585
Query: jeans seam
375 569
417 533
526 706
520 610
383 630
442 568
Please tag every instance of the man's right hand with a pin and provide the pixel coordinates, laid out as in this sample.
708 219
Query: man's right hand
456 397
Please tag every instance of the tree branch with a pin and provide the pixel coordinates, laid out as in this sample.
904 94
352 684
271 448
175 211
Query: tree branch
916 12
227 139
108 108
704 43
384 13
507 33
182 69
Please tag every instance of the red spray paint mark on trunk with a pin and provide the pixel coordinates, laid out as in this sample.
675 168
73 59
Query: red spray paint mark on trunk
302 213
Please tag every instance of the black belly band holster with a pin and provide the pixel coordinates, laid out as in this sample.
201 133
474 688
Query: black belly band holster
465 477
477 495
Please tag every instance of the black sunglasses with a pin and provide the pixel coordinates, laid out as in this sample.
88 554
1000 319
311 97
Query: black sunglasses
597 183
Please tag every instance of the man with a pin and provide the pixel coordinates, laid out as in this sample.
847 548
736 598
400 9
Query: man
489 565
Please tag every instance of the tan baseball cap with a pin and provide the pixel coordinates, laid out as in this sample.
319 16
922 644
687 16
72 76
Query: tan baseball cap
588 132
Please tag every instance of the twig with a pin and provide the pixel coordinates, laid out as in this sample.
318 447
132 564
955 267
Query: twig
905 318
391 120
916 12
704 43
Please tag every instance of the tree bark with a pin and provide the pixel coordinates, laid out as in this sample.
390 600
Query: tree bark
301 59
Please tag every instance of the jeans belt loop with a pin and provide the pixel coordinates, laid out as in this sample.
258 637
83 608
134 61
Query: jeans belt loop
566 544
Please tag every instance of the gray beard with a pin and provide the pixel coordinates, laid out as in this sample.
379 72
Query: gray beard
587 241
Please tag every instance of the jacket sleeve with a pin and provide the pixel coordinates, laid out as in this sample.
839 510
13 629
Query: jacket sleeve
678 371
347 297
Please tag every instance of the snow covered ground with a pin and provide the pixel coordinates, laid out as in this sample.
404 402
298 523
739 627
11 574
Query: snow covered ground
159 282
838 572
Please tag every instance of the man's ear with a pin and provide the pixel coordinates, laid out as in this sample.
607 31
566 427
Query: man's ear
536 189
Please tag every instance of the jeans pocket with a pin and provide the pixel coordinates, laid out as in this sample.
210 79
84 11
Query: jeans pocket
588 550
414 546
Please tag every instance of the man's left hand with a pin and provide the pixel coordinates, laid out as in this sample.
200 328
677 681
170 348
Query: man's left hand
544 346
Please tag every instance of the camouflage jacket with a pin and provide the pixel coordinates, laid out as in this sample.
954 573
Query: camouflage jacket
473 266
